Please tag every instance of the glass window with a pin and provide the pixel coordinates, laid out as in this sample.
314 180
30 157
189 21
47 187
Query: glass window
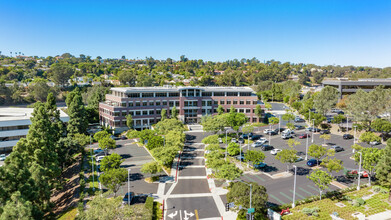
145 103
197 93
254 120
222 102
190 93
145 112
219 94
255 102
158 112
215 102
245 94
147 95
172 103
157 103
241 102
209 103
248 102
241 110
248 110
151 112
173 94
138 104
161 94
176 103
206 94
123 104
134 95
132 113
138 112
151 103
235 102
130 104
228 102
232 94
183 92
164 103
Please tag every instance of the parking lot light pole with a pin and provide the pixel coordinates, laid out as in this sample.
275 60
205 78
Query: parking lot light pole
270 128
306 147
359 171
347 124
92 163
240 149
279 124
129 186
294 187
251 193
226 143
313 129
354 137
248 141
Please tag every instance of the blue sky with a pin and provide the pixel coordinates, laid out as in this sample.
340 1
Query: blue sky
321 32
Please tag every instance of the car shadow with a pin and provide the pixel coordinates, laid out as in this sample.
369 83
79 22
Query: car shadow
125 156
270 169
135 176
344 179
301 171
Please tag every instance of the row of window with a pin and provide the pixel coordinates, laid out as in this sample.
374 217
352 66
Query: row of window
187 103
10 128
185 93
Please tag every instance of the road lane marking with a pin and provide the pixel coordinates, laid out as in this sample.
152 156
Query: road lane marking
297 194
277 199
192 166
180 214
190 195
191 177
313 188
306 191
196 213
260 178
283 194
250 178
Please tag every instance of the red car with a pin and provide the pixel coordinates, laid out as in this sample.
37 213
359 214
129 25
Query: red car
304 136
354 174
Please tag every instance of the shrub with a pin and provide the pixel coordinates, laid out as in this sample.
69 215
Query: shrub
149 205
376 188
212 139
155 142
233 149
360 201
213 147
384 191
311 211
132 134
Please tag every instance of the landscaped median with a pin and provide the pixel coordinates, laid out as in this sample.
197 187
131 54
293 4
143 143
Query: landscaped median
343 204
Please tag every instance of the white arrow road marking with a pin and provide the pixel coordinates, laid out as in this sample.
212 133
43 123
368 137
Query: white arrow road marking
172 215
190 214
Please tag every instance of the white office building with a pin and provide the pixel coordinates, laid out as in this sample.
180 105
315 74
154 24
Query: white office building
14 125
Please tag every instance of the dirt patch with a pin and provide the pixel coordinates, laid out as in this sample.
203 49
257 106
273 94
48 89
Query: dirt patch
68 196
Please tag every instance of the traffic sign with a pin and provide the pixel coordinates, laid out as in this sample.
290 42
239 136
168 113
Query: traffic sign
252 210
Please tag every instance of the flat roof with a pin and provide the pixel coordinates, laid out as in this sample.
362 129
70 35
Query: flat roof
178 88
364 81
20 116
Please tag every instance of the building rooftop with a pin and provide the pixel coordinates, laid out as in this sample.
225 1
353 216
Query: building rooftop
178 88
363 80
15 116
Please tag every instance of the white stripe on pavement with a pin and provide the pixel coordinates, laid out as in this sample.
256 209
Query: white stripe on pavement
191 166
188 158
190 195
215 218
191 177
190 150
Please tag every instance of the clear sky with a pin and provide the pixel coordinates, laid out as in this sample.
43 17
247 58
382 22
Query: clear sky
351 32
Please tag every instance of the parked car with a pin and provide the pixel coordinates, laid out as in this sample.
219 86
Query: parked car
233 140
2 157
288 131
347 136
114 137
128 196
241 141
240 157
281 129
297 120
354 174
99 158
324 131
300 153
255 137
257 144
220 140
313 162
275 151
247 135
96 151
259 165
266 147
298 159
123 137
299 127
286 135
304 136
266 131
312 129
340 113
374 143
271 132
337 148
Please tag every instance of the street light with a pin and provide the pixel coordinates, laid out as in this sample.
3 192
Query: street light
313 129
129 186
294 188
92 162
354 137
279 123
226 143
359 171
347 124
306 147
251 193
270 129
240 149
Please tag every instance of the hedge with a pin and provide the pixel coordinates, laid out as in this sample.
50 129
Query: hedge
149 205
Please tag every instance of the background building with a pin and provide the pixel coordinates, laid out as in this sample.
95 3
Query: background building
14 125
145 104
347 87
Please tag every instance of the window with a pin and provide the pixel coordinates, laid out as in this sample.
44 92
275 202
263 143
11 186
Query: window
209 103
145 112
255 102
124 113
158 112
132 113
123 104
190 103
197 93
241 102
248 102
190 93
130 104
206 93
134 95
172 103
145 103
138 104
215 110
145 122
161 94
183 92
248 110
222 102
138 122
245 94
138 112
241 110
173 94
151 112
228 102
164 103
151 103
176 103
232 94
254 120
147 95
215 102
116 113
235 102
219 94
157 103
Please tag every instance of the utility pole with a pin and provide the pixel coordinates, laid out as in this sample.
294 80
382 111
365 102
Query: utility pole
359 171
129 186
313 129
92 163
294 187
279 124
226 143
306 147
354 137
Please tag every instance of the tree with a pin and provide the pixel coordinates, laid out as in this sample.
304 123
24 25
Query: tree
214 123
292 143
254 156
112 161
247 128
151 167
338 119
288 117
127 78
145 135
228 171
368 137
40 90
287 156
57 126
220 110
318 151
319 118
239 193
113 179
233 149
332 164
60 73
174 113
100 135
370 158
129 121
163 127
321 179
17 208
326 99
274 120
259 111
383 169
175 138
77 116
381 125
154 142
107 143
325 137
165 155
236 120
163 114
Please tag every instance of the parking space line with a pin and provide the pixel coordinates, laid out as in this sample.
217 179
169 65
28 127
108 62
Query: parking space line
313 188
252 180
260 178
306 191
297 194
286 196
277 199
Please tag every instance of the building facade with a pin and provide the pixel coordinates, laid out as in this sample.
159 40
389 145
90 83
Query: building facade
146 103
347 87
14 125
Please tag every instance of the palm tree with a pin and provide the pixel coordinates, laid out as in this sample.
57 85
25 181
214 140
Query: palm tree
11 54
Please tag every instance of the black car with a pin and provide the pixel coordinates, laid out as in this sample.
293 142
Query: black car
313 162
299 120
272 132
130 196
241 141
255 137
266 147
281 129
347 136
247 135
324 132
299 127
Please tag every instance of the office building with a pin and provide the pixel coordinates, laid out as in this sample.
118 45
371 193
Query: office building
347 87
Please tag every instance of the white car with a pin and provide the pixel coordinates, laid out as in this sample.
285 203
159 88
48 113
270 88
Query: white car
256 144
374 143
99 158
286 135
2 158
233 140
220 140
275 151
266 131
